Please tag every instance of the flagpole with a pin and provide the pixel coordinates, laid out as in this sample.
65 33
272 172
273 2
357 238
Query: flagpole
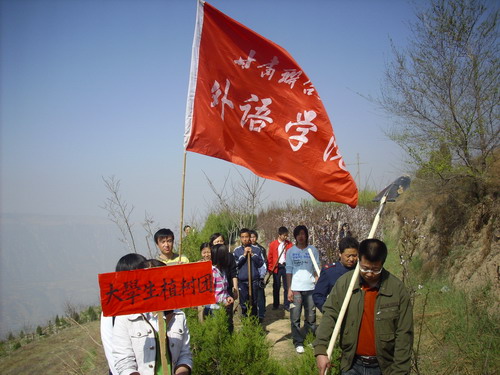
182 204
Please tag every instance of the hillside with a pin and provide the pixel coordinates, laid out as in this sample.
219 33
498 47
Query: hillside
447 254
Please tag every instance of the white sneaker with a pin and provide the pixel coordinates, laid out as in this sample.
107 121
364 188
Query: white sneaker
299 349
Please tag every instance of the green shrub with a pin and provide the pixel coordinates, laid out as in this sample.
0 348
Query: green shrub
216 351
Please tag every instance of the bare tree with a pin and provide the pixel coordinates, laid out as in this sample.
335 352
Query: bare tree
150 227
443 90
119 212
238 200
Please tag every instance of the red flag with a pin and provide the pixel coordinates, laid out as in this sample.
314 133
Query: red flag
251 104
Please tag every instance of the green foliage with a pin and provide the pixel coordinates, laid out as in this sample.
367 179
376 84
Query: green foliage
365 197
39 331
216 351
443 91
10 337
215 223
463 336
91 314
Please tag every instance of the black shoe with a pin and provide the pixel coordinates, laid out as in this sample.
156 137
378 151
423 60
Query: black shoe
261 320
286 308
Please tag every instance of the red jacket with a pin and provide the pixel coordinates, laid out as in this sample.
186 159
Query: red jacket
272 256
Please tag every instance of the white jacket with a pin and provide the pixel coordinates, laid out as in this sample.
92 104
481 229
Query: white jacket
107 341
134 344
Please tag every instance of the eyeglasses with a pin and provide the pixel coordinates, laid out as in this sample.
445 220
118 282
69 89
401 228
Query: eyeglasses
367 270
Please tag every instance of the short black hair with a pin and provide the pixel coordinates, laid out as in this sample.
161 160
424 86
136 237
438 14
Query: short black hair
130 262
373 250
282 230
203 245
163 233
186 226
220 257
151 263
255 233
244 230
348 243
299 228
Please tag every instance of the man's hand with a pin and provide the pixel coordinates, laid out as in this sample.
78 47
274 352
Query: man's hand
323 363
235 292
290 295
248 250
182 370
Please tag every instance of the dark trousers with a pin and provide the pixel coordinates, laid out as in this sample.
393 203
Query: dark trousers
278 278
244 297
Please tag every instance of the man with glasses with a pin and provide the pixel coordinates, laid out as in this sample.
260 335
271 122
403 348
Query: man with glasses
377 331
330 273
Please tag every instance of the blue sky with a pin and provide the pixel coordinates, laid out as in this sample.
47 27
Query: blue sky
98 88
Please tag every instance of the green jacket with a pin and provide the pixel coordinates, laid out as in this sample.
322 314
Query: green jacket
393 324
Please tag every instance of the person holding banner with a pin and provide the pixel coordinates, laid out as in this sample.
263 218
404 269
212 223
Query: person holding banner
377 332
127 262
136 346
164 240
248 260
300 277
276 266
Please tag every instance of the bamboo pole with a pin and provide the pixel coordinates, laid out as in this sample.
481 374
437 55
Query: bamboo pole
313 259
182 204
162 337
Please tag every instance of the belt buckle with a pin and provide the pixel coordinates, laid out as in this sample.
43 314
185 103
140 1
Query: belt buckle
368 360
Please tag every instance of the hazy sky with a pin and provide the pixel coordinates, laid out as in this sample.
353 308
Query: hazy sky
98 88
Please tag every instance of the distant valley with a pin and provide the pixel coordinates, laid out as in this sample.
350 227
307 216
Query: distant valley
47 261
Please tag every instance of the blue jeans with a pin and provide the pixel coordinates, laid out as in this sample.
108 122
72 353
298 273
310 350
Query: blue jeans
358 368
302 299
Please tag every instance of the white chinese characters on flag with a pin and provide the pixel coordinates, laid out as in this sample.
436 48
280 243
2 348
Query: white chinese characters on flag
251 104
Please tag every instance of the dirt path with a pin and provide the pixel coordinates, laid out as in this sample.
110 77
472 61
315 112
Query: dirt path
277 326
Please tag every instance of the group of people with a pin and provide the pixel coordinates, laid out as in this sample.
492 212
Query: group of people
375 337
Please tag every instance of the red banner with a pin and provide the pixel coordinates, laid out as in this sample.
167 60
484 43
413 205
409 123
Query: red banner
251 104
156 289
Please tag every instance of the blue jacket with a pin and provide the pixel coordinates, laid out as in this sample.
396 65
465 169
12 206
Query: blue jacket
327 279
241 263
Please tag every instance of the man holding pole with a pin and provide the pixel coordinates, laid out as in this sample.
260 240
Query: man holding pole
300 260
377 332
276 266
248 261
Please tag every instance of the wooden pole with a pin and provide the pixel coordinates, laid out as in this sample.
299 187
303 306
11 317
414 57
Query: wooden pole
250 286
162 337
354 278
313 259
182 203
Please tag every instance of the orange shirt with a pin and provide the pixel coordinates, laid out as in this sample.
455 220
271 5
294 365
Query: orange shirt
366 335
